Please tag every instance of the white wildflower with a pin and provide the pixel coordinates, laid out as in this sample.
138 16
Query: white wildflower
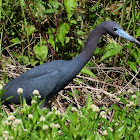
30 116
5 133
54 108
45 127
33 102
49 113
18 121
134 96
128 105
11 118
1 87
81 115
95 108
105 132
92 106
39 96
59 132
102 113
57 112
5 123
117 99
42 119
19 90
116 124
132 103
113 120
99 97
36 92
25 130
1 115
130 91
52 125
11 138
111 129
57 125
73 109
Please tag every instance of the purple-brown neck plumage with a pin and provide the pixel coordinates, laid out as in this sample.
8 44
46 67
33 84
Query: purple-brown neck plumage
90 46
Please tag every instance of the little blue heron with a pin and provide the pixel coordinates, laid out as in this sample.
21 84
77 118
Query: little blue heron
50 78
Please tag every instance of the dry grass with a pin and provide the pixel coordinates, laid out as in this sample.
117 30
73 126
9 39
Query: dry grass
110 82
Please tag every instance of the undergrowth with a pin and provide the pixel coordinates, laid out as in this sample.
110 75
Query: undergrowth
89 122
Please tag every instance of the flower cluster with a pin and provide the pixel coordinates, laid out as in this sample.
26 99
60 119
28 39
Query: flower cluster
42 119
54 108
94 108
19 91
36 93
104 132
30 116
131 103
13 122
74 109
1 87
45 127
102 113
57 112
52 125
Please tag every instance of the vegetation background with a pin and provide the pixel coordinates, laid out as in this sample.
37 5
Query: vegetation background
37 31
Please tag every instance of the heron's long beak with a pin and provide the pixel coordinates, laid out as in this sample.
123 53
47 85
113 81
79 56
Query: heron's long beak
124 34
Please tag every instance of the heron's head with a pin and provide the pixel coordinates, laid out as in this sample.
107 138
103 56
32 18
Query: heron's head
114 29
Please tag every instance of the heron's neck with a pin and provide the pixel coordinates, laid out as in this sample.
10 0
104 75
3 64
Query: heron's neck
90 46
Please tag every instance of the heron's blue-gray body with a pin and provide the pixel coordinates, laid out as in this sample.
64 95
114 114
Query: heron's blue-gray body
48 79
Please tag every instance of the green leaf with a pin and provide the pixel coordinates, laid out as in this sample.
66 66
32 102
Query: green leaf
80 42
30 29
23 59
137 99
88 104
97 51
51 41
138 32
88 72
55 4
70 6
15 40
63 29
132 65
67 40
41 52
66 113
73 21
33 61
51 38
50 11
112 49
135 52
36 116
97 136
2 92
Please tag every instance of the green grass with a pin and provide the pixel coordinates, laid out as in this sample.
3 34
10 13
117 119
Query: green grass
89 122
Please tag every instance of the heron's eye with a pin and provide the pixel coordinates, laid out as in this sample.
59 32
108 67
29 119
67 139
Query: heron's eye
114 29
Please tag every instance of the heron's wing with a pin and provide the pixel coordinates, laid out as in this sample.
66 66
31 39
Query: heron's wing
44 78
36 72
